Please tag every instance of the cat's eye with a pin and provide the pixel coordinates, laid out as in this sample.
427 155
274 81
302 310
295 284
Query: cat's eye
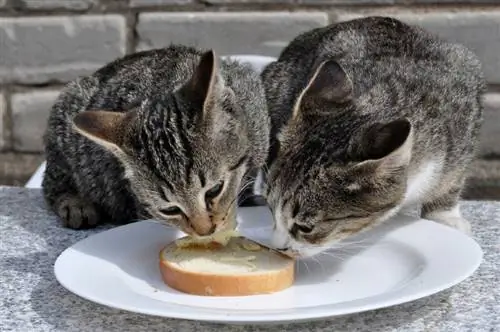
171 211
213 192
340 218
305 229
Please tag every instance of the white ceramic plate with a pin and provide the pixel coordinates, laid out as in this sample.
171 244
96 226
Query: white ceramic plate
401 261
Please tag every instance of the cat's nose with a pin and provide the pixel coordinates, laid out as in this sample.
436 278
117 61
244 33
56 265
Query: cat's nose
204 228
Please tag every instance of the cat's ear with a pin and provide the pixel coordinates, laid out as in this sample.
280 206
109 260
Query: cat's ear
109 129
387 147
329 83
205 84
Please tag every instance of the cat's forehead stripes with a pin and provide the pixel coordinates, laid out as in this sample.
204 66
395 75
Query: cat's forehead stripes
202 179
239 162
166 145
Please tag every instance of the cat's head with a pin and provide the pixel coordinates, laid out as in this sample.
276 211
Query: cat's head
337 172
184 152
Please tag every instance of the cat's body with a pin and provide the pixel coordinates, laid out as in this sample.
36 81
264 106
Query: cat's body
368 117
178 132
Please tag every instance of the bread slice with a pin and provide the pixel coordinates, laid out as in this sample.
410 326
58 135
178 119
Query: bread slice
241 267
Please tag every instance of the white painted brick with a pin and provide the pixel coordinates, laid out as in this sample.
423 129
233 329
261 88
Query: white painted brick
41 49
232 2
263 33
3 114
30 111
151 3
454 2
56 4
490 133
346 2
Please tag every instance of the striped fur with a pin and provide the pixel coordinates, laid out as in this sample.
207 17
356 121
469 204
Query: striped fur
155 131
368 116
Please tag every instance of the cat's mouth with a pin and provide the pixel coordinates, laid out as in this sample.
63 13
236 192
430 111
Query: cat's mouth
289 252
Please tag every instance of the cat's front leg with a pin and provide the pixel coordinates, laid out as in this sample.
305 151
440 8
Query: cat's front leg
446 210
60 194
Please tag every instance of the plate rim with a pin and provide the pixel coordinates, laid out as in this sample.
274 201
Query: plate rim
274 316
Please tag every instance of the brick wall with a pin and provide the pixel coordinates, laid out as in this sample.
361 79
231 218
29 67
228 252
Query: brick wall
46 43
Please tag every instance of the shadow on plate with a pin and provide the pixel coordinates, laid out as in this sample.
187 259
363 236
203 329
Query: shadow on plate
142 262
316 269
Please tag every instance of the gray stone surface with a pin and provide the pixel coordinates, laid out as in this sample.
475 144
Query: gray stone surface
30 111
32 239
490 133
228 33
41 49
149 3
346 2
3 3
229 2
304 2
483 182
17 168
55 4
478 30
476 2
3 115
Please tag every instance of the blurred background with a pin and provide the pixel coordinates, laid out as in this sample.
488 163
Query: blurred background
46 43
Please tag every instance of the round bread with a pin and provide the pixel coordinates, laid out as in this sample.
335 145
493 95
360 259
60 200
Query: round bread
242 267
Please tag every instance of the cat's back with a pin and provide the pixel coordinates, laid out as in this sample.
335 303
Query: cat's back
130 80
375 39
381 49
384 57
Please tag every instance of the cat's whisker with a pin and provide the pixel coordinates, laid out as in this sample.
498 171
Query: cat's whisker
244 187
316 259
329 254
347 244
298 267
230 206
356 244
265 170
246 197
360 246
306 266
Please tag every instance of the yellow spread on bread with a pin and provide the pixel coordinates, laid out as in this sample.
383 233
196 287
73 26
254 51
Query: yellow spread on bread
222 238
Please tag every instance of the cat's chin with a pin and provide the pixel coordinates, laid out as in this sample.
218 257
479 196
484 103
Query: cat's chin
296 249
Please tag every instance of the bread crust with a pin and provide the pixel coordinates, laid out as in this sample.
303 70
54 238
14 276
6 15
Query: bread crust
212 284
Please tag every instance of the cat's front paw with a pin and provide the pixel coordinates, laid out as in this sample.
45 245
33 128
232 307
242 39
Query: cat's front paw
460 224
77 214
451 218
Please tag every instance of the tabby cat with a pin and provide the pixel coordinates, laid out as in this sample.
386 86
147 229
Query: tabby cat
166 134
369 117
